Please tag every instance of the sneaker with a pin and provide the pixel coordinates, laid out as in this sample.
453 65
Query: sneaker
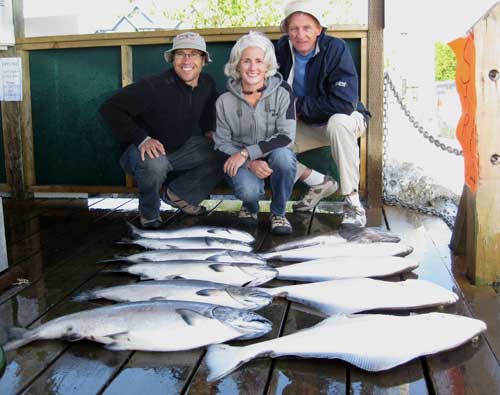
280 225
155 223
247 218
171 198
354 215
315 194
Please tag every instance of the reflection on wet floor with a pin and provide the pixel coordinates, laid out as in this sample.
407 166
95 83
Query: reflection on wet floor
55 245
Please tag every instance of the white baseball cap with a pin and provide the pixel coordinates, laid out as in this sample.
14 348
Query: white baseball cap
305 6
188 40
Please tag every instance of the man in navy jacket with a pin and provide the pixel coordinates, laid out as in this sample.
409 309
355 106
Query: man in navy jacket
323 76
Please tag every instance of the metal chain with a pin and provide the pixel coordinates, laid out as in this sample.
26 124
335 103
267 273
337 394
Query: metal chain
392 199
415 123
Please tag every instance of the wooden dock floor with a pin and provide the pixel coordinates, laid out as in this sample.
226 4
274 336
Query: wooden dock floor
54 246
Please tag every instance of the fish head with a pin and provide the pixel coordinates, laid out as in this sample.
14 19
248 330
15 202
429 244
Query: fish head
251 325
261 274
249 298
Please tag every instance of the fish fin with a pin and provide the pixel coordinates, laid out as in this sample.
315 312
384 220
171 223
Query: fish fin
208 292
119 336
116 346
222 359
191 317
73 337
217 267
17 337
156 298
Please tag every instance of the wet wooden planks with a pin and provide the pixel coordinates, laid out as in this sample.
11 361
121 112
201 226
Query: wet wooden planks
74 239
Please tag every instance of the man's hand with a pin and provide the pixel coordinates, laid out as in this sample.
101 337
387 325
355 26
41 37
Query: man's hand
233 163
260 168
210 135
153 148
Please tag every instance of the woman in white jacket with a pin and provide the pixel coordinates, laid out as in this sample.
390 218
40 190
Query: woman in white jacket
255 130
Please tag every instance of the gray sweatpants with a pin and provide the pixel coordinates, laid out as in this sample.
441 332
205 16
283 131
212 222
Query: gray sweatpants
341 133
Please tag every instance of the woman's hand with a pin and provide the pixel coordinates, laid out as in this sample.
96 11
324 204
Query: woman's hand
260 168
234 162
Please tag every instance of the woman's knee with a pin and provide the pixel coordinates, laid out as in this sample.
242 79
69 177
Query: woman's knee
282 159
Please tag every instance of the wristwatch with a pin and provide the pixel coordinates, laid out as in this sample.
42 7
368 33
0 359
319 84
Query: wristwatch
244 153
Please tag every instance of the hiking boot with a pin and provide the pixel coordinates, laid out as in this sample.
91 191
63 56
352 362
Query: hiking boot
315 194
247 218
171 198
280 225
354 214
155 223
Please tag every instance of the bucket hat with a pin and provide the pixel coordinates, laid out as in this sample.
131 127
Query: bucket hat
188 40
305 6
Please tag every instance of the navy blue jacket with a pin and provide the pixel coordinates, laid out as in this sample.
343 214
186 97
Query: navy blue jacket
331 80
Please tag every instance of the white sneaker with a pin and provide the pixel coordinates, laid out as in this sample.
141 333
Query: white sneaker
354 214
315 194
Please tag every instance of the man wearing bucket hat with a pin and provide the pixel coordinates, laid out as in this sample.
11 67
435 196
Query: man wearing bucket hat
322 74
157 119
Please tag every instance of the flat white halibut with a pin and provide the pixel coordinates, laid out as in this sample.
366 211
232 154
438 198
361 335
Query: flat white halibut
149 326
338 250
198 243
345 267
214 255
238 274
363 294
345 234
370 341
193 231
186 290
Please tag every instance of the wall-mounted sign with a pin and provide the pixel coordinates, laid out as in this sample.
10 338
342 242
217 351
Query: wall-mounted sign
6 24
11 82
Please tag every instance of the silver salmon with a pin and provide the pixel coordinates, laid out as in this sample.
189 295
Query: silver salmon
149 326
198 243
372 342
238 274
185 290
214 255
194 231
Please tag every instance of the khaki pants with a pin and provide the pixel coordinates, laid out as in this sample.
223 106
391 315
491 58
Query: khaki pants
341 133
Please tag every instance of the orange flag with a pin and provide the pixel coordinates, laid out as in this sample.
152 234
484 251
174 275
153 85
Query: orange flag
465 52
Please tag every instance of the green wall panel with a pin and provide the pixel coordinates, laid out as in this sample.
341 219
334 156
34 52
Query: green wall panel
71 142
149 60
3 176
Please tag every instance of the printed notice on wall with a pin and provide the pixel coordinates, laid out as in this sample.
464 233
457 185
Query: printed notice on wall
6 23
11 83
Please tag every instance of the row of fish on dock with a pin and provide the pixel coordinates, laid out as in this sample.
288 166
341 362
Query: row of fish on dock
202 289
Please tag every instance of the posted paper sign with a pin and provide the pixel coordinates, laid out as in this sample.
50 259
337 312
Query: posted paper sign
11 83
6 23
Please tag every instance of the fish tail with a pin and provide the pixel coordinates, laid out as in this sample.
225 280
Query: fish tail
222 359
84 296
134 230
125 241
116 258
117 270
17 337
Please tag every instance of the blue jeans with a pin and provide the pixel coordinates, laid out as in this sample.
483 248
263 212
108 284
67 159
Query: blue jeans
249 188
196 159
